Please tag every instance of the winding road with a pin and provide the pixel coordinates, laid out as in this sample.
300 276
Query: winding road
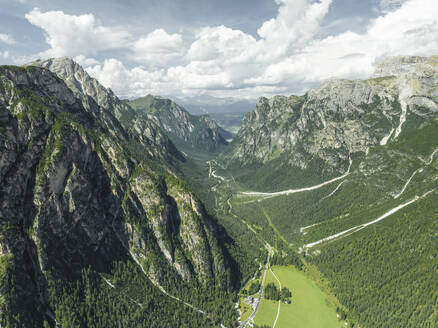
212 172
253 314
427 163
364 225
293 191
334 191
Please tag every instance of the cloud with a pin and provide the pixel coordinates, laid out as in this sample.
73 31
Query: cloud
409 30
84 61
135 82
158 48
390 5
72 36
220 43
288 55
4 54
6 38
219 55
296 23
222 58
80 36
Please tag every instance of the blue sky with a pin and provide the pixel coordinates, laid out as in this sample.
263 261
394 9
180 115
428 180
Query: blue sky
240 49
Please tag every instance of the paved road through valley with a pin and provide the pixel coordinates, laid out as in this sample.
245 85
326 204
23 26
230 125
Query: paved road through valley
259 299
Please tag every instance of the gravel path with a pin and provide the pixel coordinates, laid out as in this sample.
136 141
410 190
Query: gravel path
279 301
293 191
362 226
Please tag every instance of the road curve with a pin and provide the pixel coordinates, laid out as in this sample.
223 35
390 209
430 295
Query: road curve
293 191
259 299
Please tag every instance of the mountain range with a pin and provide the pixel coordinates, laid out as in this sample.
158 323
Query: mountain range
185 130
84 187
322 128
126 213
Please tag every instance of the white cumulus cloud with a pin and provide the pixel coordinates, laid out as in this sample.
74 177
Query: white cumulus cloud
6 38
85 61
158 48
409 30
80 36
287 55
135 82
72 36
296 23
220 43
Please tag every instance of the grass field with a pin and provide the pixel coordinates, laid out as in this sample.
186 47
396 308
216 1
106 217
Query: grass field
308 309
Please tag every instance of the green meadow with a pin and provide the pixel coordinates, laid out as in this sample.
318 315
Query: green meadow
309 307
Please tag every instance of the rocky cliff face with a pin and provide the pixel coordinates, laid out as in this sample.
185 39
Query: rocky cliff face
396 66
123 119
78 80
340 117
186 130
78 189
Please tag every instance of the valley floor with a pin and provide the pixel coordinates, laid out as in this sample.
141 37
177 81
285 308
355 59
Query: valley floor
370 203
309 307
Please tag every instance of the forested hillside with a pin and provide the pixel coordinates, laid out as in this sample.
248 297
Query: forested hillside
96 226
370 227
106 221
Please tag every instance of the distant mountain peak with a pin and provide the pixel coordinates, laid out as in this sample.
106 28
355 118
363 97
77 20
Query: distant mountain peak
398 65
339 117
77 79
186 130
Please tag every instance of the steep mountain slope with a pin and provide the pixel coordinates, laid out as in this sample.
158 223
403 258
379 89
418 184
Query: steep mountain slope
185 130
80 83
81 196
319 131
383 262
372 230
97 227
78 80
373 234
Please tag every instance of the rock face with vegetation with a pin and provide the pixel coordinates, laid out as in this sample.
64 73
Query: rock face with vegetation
82 191
396 66
78 80
140 128
99 229
372 232
186 130
339 117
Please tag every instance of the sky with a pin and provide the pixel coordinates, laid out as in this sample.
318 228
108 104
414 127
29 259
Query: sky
240 49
